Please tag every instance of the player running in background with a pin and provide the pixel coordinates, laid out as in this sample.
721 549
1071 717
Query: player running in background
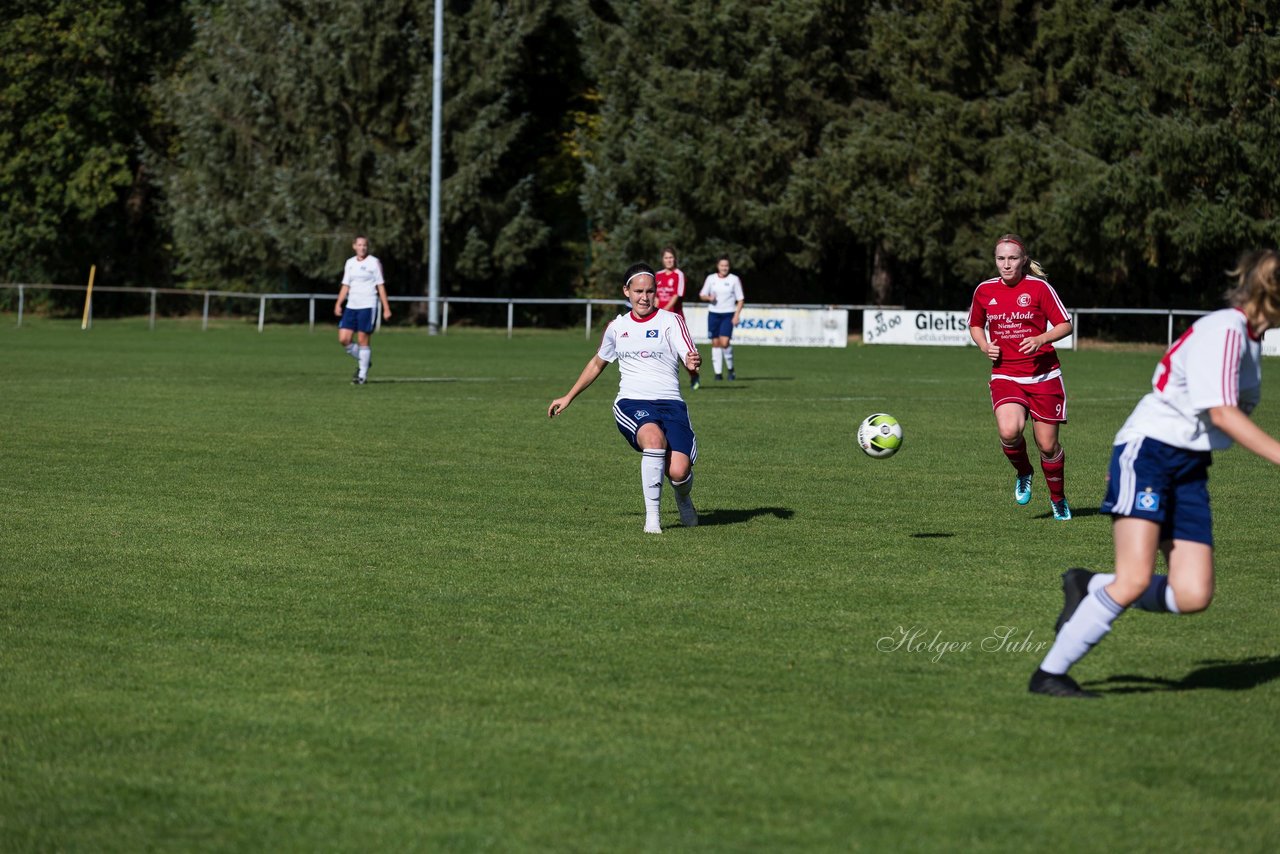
649 344
363 288
1157 488
670 281
1010 320
724 291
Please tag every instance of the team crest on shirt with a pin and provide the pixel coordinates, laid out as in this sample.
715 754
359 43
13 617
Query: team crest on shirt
651 333
1024 300
1148 501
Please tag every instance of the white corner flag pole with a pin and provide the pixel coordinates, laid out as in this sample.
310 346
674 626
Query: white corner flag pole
88 298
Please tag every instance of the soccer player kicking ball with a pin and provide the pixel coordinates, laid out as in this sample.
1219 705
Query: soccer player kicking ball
1157 490
649 345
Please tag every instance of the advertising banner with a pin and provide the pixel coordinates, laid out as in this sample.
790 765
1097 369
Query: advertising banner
778 327
929 328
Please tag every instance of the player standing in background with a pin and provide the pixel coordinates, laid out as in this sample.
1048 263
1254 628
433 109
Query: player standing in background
670 281
648 345
1009 320
1157 487
363 288
724 291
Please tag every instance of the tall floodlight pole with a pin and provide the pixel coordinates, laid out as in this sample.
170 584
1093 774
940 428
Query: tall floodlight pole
433 261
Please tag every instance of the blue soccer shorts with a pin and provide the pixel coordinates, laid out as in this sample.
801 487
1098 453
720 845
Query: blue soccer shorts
719 325
359 319
1163 484
672 416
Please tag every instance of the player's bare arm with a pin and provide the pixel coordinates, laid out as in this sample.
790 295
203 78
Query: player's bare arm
990 349
342 295
1240 427
386 305
590 373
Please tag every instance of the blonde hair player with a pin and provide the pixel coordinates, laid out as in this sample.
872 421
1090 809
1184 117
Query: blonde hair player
1014 319
1201 395
649 345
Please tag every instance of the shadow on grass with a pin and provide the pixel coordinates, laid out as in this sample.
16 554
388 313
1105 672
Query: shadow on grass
932 535
1075 514
1243 675
736 517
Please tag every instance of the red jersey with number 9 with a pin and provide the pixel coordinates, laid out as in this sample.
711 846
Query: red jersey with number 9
1011 313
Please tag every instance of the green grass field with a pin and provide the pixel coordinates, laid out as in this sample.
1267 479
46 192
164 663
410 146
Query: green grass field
248 606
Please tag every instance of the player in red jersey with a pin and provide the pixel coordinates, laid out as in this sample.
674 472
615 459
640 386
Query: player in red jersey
1014 319
670 281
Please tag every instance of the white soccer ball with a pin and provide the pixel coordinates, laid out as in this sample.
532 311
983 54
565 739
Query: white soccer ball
880 435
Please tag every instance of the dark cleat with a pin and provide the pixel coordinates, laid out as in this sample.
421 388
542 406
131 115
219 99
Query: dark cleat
1053 685
1075 586
359 380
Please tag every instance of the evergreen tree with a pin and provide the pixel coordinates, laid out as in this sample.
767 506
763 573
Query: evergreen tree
75 114
298 125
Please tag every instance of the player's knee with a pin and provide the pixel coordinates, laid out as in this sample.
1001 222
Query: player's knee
1125 591
1049 450
677 469
1192 597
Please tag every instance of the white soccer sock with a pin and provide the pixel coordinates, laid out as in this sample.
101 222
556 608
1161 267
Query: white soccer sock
365 355
728 357
1088 625
717 358
684 487
353 350
651 466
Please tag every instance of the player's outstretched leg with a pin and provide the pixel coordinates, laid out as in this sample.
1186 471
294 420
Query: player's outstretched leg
684 501
652 464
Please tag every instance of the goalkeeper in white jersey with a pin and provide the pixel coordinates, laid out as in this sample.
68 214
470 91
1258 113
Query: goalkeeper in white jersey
649 345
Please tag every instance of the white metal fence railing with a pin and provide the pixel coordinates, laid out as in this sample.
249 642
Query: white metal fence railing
511 304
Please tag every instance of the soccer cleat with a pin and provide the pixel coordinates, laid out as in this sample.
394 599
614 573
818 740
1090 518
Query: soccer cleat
651 526
732 375
1075 586
696 383
1022 489
1054 685
355 377
359 380
1061 510
719 378
688 513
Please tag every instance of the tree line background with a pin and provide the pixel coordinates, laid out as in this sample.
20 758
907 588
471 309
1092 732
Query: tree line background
840 152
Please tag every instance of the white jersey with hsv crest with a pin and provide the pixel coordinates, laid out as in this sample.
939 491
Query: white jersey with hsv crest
362 277
649 353
726 292
1217 362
